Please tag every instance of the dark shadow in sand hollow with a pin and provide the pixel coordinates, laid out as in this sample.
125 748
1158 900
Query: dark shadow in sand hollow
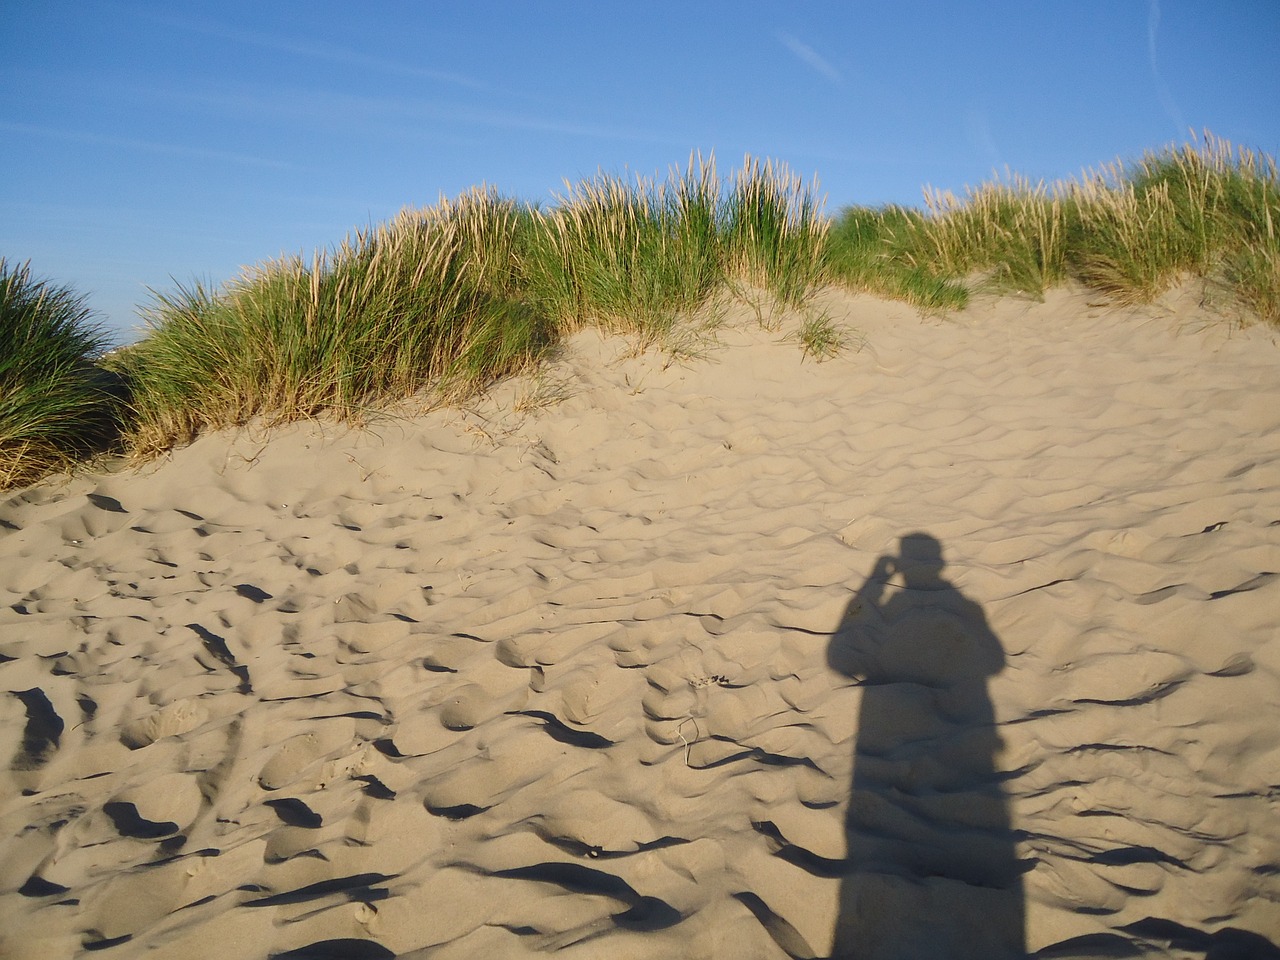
932 870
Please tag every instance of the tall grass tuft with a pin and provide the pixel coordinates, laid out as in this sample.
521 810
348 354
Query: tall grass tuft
431 299
629 256
873 249
1129 243
773 232
638 255
54 403
1011 233
1203 209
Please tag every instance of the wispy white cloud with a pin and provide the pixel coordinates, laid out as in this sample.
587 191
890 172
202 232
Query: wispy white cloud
1162 90
149 146
396 117
440 116
318 50
508 121
810 57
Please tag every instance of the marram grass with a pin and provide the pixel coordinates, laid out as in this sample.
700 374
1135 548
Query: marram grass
870 249
1206 210
773 233
442 301
634 256
449 298
54 403
1209 210
430 299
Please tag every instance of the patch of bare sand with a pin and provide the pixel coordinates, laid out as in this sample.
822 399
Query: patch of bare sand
963 644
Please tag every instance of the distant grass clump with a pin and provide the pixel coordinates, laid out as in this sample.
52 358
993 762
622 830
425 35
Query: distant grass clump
449 298
54 404
1207 210
773 234
631 256
431 299
871 249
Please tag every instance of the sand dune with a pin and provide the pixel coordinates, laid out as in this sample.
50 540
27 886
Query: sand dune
962 644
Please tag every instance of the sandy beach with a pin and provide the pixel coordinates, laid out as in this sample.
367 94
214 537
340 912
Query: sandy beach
964 643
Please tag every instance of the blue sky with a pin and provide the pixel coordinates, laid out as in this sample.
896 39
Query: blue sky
151 142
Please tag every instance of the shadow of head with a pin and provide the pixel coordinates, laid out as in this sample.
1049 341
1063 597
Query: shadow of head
920 560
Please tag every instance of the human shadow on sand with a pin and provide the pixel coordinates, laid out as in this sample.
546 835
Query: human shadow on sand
931 870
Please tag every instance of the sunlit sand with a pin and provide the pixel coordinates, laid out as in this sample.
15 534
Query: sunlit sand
597 664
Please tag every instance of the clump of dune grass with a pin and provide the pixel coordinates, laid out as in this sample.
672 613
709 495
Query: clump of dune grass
820 336
1205 210
449 298
633 256
1208 210
54 404
430 299
1001 236
872 249
642 255
773 235
1010 233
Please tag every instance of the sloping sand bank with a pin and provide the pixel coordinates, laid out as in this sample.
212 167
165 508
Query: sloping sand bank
963 644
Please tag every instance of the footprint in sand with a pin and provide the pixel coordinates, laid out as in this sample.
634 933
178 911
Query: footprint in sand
288 764
158 808
43 731
171 720
467 706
